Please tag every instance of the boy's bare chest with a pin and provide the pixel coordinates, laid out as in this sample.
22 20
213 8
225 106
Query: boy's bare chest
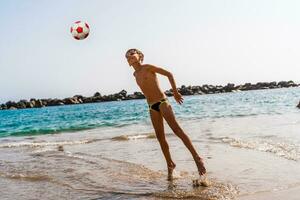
144 77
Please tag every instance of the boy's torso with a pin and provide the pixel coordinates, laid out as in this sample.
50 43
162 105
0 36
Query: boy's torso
148 83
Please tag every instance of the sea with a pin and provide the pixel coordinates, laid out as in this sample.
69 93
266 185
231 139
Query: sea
249 140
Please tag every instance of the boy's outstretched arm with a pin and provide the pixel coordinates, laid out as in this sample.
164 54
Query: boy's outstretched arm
159 70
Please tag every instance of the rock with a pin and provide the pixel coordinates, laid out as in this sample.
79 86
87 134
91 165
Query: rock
205 89
32 102
168 93
87 100
118 96
247 86
285 83
139 95
136 95
70 100
273 85
229 87
79 98
199 92
132 96
29 104
45 101
186 91
107 97
10 104
123 93
3 106
55 102
21 105
97 94
196 88
23 101
98 98
292 84
38 103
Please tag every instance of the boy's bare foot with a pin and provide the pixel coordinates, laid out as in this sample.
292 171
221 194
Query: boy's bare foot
170 171
200 165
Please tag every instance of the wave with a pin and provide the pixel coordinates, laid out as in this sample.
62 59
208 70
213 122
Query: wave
44 144
137 136
285 149
134 137
60 144
33 132
55 130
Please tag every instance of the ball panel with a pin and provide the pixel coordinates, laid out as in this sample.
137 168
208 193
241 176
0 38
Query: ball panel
81 35
74 33
75 26
86 30
79 29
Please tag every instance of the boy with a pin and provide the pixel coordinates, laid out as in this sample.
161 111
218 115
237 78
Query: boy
160 108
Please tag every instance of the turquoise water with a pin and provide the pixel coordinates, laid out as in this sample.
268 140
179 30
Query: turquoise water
72 118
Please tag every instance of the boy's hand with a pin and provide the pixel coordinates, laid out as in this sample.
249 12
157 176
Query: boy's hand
178 97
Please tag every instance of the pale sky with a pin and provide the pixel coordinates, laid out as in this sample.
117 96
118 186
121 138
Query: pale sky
199 41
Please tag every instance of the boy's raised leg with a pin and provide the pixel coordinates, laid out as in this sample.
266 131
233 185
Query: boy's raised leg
168 114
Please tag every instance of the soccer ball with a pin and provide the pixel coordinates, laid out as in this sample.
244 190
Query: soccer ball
80 30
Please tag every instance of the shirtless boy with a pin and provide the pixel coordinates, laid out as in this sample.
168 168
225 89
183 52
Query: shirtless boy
160 108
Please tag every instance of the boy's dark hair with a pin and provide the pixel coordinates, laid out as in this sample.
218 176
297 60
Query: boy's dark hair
141 55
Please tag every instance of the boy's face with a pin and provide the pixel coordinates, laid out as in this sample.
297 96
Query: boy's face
132 58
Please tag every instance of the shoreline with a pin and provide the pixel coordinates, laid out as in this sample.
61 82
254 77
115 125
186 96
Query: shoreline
122 95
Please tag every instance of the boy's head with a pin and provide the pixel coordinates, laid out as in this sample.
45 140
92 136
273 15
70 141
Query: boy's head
134 55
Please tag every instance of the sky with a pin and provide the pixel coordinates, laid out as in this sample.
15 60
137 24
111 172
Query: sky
199 41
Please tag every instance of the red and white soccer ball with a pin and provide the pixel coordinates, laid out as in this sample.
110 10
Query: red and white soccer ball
80 30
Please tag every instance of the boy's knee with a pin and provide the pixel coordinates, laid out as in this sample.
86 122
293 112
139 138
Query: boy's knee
178 131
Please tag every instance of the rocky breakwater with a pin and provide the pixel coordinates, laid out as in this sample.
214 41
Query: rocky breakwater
122 95
77 99
230 87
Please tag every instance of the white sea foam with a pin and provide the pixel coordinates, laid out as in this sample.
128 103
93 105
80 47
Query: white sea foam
285 149
43 144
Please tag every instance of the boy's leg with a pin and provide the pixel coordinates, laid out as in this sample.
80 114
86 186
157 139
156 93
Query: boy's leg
168 114
157 121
